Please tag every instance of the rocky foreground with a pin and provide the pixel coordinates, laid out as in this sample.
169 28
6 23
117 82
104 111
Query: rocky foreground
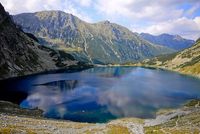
180 121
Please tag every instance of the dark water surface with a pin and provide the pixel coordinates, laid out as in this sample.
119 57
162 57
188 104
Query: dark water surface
101 94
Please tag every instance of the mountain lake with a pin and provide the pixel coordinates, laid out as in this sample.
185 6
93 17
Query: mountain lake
101 94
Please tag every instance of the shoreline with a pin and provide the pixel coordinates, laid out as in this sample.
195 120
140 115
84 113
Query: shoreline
69 69
165 118
155 67
75 68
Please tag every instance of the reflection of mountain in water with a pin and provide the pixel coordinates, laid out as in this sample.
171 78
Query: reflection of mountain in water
63 84
109 71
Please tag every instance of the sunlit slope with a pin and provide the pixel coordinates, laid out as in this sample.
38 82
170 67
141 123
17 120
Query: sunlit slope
186 61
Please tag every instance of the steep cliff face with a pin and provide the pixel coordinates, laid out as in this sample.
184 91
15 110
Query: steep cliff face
102 42
175 42
20 54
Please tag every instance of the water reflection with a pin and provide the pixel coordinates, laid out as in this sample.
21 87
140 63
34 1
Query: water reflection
63 84
101 94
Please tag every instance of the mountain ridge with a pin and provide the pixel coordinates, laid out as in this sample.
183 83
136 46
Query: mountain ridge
175 42
81 39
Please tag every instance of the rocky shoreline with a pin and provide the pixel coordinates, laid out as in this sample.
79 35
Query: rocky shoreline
13 119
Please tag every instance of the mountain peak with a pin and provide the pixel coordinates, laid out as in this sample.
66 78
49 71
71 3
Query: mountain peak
175 42
178 37
3 13
52 14
106 22
2 10
165 34
88 42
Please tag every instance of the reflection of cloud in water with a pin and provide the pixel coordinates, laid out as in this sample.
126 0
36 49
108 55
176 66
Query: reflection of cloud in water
137 93
55 96
45 96
114 101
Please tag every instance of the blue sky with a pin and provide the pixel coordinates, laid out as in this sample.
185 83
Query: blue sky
180 17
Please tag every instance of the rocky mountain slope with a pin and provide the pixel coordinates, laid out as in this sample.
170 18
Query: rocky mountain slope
100 43
175 42
186 61
20 54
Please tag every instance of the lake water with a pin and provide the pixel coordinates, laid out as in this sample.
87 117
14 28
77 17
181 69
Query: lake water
102 94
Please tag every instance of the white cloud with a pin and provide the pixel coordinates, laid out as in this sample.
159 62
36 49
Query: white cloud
155 16
21 6
142 9
70 8
15 7
188 28
85 3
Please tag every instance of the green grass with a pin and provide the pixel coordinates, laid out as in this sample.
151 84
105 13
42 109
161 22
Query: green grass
70 49
115 129
192 62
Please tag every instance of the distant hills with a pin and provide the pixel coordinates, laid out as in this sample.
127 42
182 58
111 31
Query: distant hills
20 54
99 43
186 61
175 42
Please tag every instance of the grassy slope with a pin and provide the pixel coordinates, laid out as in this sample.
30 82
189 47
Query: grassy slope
186 61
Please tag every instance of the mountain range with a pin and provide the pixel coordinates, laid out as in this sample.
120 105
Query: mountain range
99 43
175 42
